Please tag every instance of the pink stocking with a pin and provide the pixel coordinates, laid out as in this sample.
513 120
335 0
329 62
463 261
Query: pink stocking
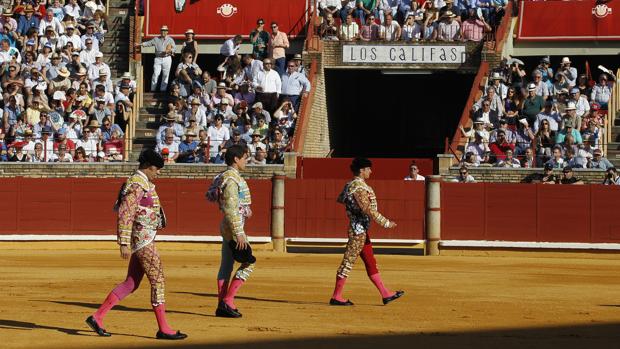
235 285
160 315
338 289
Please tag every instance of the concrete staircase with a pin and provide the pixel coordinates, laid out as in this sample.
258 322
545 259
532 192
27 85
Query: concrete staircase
116 44
148 122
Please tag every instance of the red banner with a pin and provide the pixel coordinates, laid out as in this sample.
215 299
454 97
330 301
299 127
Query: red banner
569 20
219 19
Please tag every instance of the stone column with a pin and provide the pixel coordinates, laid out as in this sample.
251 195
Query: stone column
433 214
444 162
277 212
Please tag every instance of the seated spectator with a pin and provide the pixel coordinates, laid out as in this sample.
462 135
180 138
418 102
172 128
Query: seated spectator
221 94
259 157
500 146
528 159
170 123
473 28
508 161
170 146
114 143
62 155
568 130
124 106
61 139
197 113
246 131
573 160
469 160
569 72
286 118
541 87
261 126
464 176
245 94
272 157
39 126
80 155
187 71
492 97
547 177
99 110
223 110
193 126
46 142
278 144
370 31
188 149
19 155
581 103
255 143
349 30
38 155
601 92
570 115
258 111
234 140
599 162
592 116
523 137
592 133
557 161
413 173
487 116
497 82
569 178
390 30
551 116
126 79
328 29
108 128
448 29
612 177
479 149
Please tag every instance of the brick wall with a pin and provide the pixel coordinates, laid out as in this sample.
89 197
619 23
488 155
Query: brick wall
114 170
515 175
317 133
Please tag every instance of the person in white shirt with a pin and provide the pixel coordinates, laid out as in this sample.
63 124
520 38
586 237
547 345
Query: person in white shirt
581 102
252 67
90 34
413 173
95 70
88 55
449 29
349 30
72 8
50 20
391 30
231 46
218 134
268 86
196 112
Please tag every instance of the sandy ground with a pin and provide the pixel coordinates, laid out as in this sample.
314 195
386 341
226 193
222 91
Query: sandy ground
511 302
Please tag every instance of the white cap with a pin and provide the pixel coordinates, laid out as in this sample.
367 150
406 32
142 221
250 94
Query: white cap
531 87
565 60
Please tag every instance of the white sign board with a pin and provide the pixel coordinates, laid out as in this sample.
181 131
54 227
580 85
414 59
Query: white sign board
412 54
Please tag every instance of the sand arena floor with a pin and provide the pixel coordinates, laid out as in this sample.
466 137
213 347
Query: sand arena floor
48 289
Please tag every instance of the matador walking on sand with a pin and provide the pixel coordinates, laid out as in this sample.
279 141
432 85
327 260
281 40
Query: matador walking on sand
139 216
361 205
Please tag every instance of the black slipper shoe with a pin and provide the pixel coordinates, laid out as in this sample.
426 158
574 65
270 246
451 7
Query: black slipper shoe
396 295
224 310
92 323
174 336
337 302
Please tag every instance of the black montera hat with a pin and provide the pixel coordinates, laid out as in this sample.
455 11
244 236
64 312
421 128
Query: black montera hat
151 157
360 163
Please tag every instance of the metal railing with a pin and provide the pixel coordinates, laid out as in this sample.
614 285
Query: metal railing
135 63
613 108
297 143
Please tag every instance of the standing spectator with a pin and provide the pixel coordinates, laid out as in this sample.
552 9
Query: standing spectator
464 176
569 72
218 134
601 92
448 29
230 47
294 85
349 30
268 86
612 177
277 46
546 71
329 7
252 67
186 73
414 173
190 46
365 8
391 30
259 39
164 49
533 104
569 178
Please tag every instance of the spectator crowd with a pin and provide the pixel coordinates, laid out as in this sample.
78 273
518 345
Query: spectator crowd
409 20
545 116
253 99
59 101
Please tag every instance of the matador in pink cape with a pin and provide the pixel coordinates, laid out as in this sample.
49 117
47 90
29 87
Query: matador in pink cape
140 215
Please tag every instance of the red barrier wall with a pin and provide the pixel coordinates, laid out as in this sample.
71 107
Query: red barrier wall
312 211
203 17
538 213
571 20
338 168
80 206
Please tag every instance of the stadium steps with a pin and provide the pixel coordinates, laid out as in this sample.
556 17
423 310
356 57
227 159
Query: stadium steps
116 44
149 120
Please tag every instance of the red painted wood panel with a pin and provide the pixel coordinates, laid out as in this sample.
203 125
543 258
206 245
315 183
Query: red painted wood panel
605 218
84 206
203 17
564 213
510 212
462 211
316 214
338 168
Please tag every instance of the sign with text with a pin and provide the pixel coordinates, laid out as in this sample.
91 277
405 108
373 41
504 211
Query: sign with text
413 54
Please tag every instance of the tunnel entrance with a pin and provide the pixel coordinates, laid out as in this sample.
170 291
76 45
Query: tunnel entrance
393 115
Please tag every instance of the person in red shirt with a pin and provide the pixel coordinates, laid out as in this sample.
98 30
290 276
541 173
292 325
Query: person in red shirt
500 146
61 138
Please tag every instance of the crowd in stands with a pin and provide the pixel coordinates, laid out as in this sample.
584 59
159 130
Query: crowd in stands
540 116
409 20
59 101
254 99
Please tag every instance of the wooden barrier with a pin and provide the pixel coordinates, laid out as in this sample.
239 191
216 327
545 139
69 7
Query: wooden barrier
80 206
529 212
331 168
312 210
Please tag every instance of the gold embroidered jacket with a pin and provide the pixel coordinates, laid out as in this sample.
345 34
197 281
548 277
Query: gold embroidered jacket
235 201
361 205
